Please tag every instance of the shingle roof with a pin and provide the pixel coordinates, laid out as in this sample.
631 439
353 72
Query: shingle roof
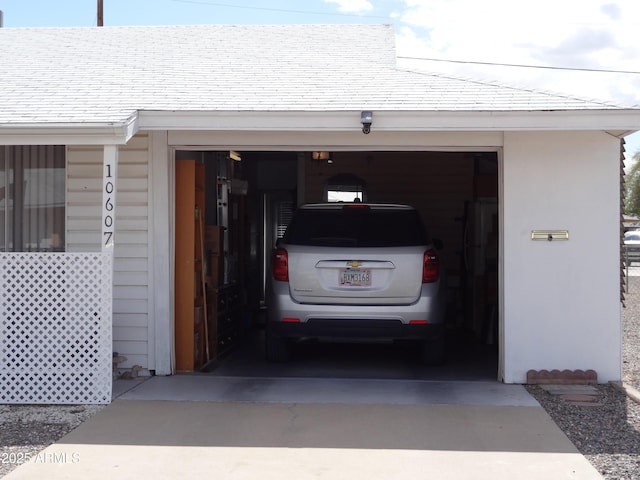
84 75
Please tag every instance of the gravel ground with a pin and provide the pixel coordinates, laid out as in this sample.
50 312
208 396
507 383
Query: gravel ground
608 435
27 430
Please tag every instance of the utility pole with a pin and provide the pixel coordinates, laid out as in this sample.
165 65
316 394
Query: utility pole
100 13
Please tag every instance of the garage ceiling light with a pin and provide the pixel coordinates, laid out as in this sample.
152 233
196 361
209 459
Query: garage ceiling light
321 156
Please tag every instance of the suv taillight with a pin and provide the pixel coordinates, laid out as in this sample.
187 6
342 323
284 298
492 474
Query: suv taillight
430 266
281 265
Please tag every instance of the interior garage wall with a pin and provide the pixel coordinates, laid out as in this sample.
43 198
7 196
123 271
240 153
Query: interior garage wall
561 298
131 311
437 184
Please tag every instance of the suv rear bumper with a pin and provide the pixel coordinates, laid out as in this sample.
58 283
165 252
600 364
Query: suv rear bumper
290 319
333 328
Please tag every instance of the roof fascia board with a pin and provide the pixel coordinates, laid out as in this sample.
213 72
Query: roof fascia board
397 120
538 120
250 120
119 133
112 133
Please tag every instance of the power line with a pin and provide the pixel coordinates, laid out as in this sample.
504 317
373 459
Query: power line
545 67
467 62
281 10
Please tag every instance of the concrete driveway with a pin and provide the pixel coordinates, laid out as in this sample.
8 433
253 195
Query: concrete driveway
190 426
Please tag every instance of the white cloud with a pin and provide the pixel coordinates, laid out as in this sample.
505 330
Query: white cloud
352 6
592 34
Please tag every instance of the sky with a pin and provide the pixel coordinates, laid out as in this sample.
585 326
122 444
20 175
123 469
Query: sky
584 48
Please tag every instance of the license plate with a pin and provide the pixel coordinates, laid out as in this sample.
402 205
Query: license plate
355 278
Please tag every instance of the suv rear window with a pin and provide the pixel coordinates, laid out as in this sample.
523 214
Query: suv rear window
359 227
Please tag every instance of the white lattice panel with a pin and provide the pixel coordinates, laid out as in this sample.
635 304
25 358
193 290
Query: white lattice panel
55 328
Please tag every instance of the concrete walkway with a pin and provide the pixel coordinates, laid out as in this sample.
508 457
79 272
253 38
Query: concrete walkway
190 426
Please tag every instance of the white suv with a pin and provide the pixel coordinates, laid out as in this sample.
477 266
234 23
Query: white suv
356 271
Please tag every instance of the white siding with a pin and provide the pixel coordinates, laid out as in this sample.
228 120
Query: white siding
131 267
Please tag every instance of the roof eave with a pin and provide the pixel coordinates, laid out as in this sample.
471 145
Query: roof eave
72 133
618 120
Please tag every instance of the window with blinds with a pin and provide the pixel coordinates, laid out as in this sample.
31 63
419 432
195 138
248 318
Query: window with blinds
32 198
284 215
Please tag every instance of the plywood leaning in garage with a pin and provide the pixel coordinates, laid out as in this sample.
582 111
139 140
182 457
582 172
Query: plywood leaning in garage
191 327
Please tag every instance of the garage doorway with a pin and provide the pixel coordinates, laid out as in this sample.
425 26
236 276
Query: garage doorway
457 196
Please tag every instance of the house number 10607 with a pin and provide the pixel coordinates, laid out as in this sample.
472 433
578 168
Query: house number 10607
108 206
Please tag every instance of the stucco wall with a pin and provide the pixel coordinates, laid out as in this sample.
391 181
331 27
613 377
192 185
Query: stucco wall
561 298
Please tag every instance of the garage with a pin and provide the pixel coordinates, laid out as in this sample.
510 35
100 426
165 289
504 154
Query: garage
248 198
181 152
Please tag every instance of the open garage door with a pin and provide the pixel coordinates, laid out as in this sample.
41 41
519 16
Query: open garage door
456 194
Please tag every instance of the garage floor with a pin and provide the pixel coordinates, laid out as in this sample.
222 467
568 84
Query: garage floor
466 361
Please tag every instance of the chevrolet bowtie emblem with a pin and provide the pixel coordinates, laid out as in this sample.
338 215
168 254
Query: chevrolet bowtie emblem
354 264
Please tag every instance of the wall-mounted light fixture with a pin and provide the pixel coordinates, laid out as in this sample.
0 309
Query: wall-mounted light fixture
366 118
234 156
